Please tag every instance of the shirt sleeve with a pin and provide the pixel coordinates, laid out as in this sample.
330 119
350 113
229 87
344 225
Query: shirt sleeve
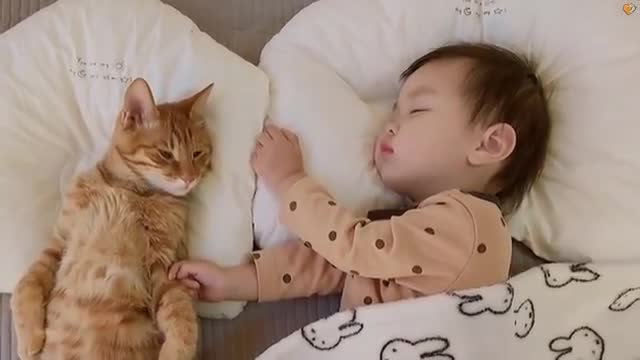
436 239
292 270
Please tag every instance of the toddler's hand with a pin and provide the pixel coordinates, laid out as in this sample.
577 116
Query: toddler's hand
277 158
204 278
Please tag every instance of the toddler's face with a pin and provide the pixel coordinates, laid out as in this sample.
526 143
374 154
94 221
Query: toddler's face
424 147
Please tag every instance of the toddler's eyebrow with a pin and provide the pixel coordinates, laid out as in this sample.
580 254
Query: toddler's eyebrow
423 90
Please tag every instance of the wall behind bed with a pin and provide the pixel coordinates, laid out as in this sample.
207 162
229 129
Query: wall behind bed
243 26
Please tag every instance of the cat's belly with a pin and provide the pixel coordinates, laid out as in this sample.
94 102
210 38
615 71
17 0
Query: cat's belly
99 309
100 279
105 259
99 327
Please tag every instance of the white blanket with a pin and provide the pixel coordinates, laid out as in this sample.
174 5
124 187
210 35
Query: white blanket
556 311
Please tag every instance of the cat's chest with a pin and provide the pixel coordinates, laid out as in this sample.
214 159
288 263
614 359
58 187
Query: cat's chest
123 223
118 238
158 215
161 225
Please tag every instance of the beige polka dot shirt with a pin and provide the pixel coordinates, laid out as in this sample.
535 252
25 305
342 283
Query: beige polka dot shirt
451 241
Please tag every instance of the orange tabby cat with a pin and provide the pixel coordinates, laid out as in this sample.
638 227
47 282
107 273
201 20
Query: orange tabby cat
100 290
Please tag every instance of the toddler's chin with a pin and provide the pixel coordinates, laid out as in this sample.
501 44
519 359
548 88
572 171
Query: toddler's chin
373 166
386 182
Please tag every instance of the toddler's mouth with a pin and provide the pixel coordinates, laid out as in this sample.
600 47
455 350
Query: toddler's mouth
386 148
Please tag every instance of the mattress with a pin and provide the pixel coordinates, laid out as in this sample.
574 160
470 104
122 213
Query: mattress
243 26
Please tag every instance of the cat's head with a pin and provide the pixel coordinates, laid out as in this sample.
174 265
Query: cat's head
169 144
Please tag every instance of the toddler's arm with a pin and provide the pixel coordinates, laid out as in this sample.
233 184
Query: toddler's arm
435 239
293 270
283 272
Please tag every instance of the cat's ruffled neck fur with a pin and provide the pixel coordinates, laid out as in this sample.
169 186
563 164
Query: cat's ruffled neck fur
117 173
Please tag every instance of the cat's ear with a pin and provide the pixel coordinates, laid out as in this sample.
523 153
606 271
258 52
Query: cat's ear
196 102
139 106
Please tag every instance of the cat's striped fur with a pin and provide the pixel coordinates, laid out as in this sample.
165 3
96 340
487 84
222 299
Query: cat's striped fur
100 289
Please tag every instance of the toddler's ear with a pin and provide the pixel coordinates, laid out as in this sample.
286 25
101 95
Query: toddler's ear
497 143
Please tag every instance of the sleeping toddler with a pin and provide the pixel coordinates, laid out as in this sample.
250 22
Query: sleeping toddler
467 139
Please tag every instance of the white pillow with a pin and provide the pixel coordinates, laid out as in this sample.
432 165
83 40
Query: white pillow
64 71
586 205
334 71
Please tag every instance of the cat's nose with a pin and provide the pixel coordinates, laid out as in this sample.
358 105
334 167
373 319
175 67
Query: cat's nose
187 179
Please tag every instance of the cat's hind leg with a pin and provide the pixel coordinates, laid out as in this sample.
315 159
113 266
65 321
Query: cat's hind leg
29 299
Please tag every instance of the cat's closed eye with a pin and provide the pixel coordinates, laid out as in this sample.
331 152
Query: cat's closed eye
167 155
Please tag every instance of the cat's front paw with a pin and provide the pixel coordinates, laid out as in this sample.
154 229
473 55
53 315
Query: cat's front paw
29 345
173 350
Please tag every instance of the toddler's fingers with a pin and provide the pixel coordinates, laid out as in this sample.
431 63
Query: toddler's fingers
186 270
268 131
291 136
193 293
191 284
264 138
253 161
256 149
275 131
174 269
282 135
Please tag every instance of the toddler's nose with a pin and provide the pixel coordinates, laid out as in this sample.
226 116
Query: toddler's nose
391 129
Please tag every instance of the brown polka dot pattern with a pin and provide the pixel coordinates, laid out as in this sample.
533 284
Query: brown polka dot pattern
482 248
307 244
385 283
293 206
256 256
367 300
441 203
332 203
333 235
417 269
380 243
286 278
430 231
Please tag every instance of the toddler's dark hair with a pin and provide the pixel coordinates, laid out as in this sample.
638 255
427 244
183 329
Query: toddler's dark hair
503 88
